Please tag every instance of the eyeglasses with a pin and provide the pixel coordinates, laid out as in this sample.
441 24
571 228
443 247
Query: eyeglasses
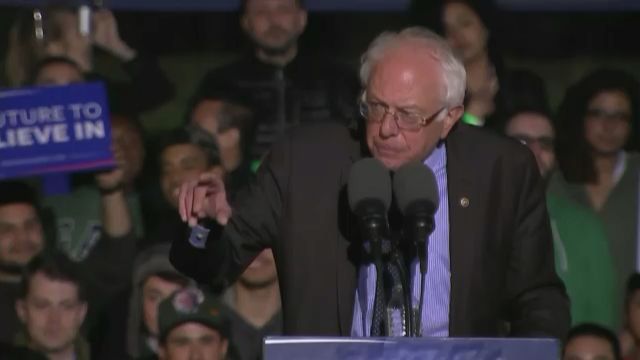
406 120
545 142
603 114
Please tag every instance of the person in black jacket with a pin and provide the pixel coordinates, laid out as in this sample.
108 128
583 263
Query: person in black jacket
12 352
490 257
285 87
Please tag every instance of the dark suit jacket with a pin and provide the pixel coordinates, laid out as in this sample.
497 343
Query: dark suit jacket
502 265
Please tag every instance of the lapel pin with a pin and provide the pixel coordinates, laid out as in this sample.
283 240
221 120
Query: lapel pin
464 202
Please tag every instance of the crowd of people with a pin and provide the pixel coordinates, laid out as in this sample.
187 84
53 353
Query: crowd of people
86 274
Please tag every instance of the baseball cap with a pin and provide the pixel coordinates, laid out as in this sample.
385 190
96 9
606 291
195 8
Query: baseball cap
192 305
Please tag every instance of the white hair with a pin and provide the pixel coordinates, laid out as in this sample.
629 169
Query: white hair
454 74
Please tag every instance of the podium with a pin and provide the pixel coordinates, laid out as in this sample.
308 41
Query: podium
342 348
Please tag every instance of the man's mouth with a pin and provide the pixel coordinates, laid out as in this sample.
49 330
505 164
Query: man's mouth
387 150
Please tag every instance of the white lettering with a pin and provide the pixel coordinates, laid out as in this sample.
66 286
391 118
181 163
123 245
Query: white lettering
92 110
60 133
93 130
75 109
77 129
28 136
24 137
33 116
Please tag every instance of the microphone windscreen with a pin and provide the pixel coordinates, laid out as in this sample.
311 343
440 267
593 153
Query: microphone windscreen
415 182
369 180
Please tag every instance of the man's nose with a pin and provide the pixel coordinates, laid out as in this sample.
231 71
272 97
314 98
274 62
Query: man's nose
176 179
22 235
53 316
389 125
537 150
196 353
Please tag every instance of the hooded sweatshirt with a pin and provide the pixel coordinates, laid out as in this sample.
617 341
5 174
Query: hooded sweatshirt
151 261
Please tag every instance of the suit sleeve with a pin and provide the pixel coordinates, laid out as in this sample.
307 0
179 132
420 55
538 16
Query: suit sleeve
254 226
539 306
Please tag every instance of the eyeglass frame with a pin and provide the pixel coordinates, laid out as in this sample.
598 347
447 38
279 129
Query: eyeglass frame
546 143
599 114
364 105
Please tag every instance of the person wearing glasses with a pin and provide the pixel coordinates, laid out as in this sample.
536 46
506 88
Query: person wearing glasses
598 163
583 259
490 259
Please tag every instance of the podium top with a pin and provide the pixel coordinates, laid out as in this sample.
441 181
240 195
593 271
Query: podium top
341 348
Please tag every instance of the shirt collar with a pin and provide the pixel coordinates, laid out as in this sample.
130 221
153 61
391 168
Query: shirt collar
437 160
620 167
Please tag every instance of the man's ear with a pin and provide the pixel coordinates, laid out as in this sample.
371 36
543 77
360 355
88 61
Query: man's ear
225 347
302 21
162 354
244 24
229 137
451 118
82 312
21 310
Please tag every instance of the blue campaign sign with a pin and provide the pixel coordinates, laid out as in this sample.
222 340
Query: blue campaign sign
313 348
54 129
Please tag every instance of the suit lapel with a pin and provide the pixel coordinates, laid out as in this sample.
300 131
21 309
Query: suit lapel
462 229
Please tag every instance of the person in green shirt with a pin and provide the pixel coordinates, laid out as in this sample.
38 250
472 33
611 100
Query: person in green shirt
598 133
583 259
78 214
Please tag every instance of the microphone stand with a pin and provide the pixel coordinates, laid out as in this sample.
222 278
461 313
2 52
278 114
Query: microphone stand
423 226
398 261
374 234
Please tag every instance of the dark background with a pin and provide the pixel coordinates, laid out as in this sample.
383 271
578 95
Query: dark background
560 45
544 34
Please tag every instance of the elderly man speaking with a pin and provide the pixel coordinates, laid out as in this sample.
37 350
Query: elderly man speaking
490 259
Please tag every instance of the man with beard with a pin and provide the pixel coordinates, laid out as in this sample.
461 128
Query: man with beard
254 301
22 237
285 87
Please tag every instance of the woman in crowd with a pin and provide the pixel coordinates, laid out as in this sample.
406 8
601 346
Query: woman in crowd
597 137
466 26
470 27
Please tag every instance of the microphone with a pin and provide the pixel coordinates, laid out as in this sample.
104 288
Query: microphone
369 192
416 192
